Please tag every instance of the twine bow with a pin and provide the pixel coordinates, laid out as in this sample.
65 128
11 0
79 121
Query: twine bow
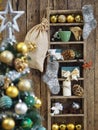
44 25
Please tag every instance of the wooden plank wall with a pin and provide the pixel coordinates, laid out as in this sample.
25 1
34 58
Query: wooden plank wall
96 71
34 11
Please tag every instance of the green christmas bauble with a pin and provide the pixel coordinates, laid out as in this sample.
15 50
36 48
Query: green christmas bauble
41 128
5 102
26 123
35 116
29 100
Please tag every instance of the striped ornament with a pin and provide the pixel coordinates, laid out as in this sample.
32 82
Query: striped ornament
5 102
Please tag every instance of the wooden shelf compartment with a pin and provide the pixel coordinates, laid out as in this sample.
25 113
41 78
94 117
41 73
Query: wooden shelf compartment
66 24
62 79
70 42
64 61
68 97
65 11
68 115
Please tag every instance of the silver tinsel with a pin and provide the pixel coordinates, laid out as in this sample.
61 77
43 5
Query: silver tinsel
1 80
14 75
89 20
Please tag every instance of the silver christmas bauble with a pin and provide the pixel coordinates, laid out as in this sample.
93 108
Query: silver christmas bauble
21 108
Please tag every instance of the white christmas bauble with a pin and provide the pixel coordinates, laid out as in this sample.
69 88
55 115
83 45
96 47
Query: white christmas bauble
21 108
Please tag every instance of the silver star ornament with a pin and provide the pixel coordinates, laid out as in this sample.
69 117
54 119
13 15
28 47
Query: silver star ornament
9 16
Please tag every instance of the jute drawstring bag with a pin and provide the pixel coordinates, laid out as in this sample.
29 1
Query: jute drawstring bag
38 35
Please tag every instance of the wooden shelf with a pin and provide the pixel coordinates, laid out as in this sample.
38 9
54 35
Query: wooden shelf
70 42
65 61
64 11
68 115
64 97
62 79
66 24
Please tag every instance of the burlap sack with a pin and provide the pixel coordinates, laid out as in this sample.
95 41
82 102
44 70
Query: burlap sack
38 35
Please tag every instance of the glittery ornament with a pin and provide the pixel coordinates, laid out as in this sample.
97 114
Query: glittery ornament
7 81
30 101
31 46
14 75
20 64
61 18
50 77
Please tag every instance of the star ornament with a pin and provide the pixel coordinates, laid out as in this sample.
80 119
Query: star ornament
9 16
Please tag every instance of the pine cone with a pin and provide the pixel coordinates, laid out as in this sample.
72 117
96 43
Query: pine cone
77 90
68 54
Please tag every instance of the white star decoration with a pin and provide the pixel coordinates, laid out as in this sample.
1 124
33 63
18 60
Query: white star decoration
9 16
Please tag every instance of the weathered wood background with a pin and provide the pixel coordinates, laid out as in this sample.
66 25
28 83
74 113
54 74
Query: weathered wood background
34 11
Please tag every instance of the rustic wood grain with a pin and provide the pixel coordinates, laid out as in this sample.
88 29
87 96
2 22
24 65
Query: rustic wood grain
59 4
74 5
33 18
90 75
96 71
21 21
43 87
33 14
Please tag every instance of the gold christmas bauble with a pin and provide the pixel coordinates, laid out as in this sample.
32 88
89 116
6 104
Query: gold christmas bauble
78 127
70 18
24 85
22 47
70 126
62 127
61 18
6 57
12 91
53 19
8 124
78 18
38 103
55 127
